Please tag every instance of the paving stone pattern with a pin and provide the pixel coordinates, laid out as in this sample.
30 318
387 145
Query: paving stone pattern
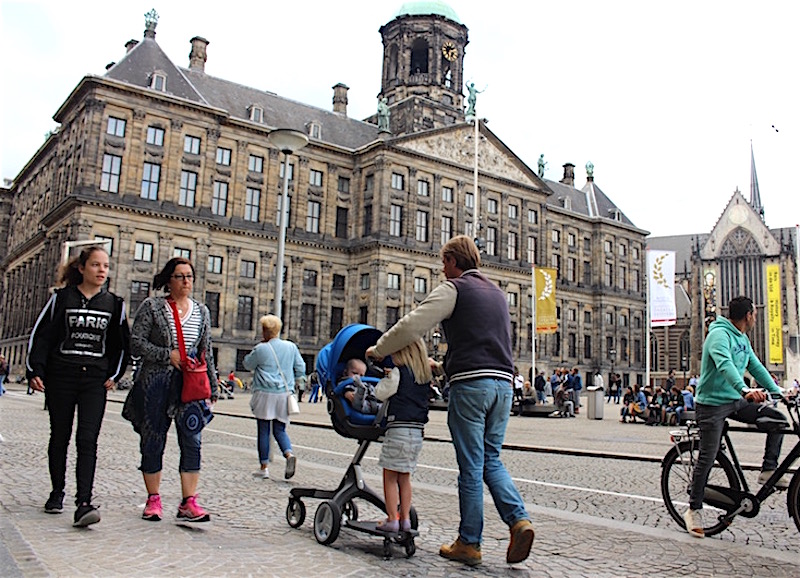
577 534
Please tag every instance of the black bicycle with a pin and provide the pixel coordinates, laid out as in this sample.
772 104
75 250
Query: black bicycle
727 494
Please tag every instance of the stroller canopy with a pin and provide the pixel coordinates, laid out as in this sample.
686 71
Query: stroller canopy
351 342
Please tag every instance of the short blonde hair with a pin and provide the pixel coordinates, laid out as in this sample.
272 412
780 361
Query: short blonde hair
464 251
415 357
271 326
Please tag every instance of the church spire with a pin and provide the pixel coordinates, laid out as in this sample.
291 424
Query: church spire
755 195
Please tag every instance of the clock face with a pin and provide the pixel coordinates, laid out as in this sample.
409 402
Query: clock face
449 51
737 215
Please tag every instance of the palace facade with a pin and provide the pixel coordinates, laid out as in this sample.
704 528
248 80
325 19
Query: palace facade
161 160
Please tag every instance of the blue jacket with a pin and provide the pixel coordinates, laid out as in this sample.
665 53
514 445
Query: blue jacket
268 375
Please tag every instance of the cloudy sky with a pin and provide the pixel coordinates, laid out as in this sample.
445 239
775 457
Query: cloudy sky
663 97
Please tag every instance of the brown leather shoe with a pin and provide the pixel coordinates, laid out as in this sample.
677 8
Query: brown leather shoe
469 554
521 542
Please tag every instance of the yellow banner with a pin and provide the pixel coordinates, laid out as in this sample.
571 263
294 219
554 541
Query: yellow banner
546 321
775 324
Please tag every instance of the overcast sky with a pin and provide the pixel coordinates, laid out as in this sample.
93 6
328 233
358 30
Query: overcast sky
663 97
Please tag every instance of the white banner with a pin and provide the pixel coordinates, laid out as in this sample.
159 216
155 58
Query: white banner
661 284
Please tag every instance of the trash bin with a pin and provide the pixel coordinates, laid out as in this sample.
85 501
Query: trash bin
595 402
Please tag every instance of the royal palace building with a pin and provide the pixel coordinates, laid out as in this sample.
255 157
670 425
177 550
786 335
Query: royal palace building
160 160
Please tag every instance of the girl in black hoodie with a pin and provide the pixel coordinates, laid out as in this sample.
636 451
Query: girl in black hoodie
77 351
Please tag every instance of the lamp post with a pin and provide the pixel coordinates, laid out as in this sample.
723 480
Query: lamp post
288 141
684 364
436 337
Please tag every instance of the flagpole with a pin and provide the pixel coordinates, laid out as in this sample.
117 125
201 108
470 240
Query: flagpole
533 323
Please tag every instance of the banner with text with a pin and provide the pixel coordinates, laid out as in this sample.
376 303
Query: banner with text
546 321
774 317
661 280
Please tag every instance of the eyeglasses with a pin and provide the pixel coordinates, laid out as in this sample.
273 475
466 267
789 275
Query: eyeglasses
182 278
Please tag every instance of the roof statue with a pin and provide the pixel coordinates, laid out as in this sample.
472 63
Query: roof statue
151 18
472 98
589 170
542 164
383 115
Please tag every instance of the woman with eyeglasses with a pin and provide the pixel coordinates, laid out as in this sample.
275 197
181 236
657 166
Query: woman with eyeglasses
154 338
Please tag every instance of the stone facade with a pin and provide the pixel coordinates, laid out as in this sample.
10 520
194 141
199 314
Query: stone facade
163 160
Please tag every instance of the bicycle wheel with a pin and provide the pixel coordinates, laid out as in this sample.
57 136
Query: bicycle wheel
793 499
676 480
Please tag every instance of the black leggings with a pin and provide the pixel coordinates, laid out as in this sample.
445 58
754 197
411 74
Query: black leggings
63 395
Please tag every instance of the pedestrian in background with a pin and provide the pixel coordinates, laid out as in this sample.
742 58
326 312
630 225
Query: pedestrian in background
278 369
154 338
577 386
78 350
5 369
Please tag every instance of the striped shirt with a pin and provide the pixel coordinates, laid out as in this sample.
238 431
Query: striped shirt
191 324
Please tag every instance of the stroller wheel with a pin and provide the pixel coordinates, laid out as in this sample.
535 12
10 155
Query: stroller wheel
350 510
295 513
413 518
410 548
327 522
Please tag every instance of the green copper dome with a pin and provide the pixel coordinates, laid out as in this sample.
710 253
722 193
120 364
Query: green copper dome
429 7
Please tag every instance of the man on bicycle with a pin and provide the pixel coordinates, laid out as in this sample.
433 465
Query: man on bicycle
721 393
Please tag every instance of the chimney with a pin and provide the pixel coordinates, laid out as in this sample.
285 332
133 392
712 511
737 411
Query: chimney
340 98
197 56
569 174
130 44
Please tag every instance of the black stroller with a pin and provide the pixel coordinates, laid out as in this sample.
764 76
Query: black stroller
339 508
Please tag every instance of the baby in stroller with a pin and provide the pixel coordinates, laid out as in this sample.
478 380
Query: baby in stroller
360 393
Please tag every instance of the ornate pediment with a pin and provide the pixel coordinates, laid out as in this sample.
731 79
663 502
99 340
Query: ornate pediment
739 231
458 146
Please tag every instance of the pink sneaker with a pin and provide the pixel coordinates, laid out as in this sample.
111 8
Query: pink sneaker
192 512
153 510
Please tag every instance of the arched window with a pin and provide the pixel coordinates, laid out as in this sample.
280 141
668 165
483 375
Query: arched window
393 62
419 56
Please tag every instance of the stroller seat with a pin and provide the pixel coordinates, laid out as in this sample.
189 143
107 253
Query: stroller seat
348 421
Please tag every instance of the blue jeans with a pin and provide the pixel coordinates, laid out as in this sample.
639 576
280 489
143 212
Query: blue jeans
711 419
540 397
477 416
278 432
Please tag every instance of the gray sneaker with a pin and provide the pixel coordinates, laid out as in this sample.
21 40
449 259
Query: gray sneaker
781 484
694 523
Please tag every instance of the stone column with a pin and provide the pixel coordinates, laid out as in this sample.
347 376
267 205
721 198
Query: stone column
229 299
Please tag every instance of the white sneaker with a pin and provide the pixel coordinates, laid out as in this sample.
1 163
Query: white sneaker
781 484
694 522
263 474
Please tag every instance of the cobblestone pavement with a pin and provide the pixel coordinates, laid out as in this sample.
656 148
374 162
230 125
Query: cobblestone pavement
593 517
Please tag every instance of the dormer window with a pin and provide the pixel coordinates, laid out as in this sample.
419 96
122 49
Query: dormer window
314 129
158 81
256 113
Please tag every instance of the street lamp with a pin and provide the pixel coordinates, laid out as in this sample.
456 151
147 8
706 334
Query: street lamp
684 366
436 337
288 141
